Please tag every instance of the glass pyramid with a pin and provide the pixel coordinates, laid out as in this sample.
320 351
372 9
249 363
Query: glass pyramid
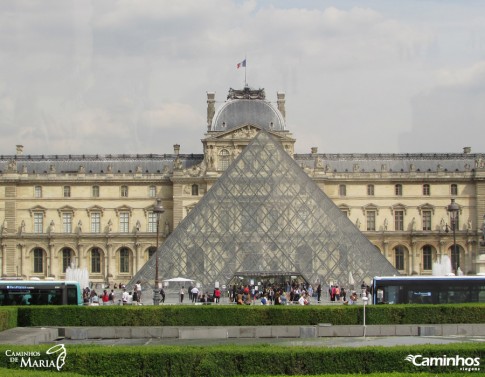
265 218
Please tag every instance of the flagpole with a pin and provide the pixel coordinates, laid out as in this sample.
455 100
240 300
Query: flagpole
245 68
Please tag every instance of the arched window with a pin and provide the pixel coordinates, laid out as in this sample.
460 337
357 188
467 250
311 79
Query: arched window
95 261
38 261
224 156
427 257
151 251
124 260
399 258
66 258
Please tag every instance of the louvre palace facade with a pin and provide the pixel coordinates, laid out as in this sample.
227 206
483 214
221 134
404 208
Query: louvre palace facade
96 211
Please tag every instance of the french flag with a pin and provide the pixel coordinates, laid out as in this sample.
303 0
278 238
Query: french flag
242 64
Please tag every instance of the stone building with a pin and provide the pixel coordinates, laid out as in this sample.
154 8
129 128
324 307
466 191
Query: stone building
96 211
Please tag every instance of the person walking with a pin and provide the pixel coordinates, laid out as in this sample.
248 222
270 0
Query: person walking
182 294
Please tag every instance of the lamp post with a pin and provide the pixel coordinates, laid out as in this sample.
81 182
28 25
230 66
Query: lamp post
453 209
364 300
158 210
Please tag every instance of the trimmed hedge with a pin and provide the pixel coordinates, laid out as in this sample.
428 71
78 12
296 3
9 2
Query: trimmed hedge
257 315
8 318
237 360
31 373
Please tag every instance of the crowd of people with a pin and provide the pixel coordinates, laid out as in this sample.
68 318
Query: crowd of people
264 294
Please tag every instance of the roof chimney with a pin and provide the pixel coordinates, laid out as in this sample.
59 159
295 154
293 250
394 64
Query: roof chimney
467 150
20 149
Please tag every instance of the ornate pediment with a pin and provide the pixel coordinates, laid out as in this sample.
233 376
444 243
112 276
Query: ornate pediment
37 209
123 208
65 209
95 209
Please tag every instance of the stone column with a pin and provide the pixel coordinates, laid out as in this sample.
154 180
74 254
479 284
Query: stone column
107 260
415 258
3 261
138 257
50 261
81 258
22 259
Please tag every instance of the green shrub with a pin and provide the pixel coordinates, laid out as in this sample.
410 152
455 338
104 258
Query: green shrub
237 360
8 318
257 315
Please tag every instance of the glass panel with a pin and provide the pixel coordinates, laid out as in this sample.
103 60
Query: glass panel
95 222
399 220
426 220
152 222
371 220
67 222
265 215
124 222
38 222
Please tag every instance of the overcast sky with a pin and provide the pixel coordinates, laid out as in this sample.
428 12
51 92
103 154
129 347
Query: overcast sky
87 77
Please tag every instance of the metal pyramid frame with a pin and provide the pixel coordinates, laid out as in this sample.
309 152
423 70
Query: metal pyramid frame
266 217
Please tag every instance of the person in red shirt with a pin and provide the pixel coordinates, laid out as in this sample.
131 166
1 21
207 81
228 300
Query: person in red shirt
105 297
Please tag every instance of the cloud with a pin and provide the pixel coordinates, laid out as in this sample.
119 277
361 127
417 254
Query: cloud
451 114
123 76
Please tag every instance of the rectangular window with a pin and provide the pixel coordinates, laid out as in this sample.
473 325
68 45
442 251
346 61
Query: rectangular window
398 189
67 222
124 261
426 220
124 222
152 191
67 191
95 191
38 222
426 190
342 190
399 220
38 191
454 189
371 220
38 261
152 222
95 222
370 190
124 191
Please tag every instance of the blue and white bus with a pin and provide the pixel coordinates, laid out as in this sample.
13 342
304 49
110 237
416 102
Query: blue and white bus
428 289
40 292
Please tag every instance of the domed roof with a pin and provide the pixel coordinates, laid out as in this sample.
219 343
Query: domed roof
239 112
